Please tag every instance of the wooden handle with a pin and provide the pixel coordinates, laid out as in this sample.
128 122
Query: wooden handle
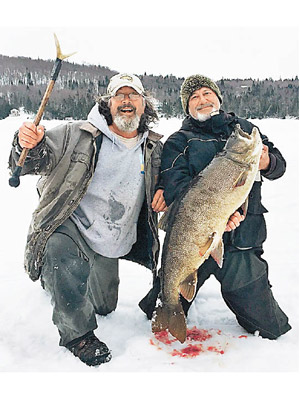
15 178
44 101
37 120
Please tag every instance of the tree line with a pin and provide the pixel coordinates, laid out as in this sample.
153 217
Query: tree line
23 82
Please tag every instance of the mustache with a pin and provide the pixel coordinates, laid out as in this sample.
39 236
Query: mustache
205 105
120 108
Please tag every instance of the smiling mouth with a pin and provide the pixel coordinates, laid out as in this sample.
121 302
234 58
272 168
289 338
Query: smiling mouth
126 110
204 106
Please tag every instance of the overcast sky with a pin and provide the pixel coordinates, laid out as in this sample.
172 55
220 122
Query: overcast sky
254 43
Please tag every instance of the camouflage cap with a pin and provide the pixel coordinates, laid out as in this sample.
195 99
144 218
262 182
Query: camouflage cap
195 82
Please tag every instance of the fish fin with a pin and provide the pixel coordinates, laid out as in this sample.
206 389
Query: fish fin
241 179
160 319
188 286
245 207
218 252
165 218
203 250
171 318
177 323
163 221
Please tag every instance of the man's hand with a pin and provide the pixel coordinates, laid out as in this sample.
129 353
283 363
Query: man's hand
234 221
158 202
264 158
30 135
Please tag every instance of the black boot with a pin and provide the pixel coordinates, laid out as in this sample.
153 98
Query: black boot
89 349
147 304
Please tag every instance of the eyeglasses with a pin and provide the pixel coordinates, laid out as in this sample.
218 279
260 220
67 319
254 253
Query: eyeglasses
121 96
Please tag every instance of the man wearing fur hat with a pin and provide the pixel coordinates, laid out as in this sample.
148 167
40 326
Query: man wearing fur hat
244 274
98 203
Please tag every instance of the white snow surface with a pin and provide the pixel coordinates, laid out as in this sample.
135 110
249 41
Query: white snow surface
29 340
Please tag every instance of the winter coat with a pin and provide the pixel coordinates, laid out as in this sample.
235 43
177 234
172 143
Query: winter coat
192 148
66 159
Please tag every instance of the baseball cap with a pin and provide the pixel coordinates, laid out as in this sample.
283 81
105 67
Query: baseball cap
120 80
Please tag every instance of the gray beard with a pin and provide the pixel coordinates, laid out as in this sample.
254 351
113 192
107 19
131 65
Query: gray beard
127 125
202 117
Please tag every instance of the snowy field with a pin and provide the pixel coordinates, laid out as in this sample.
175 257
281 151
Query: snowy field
29 340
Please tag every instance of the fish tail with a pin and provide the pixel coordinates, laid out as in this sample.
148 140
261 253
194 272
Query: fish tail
171 318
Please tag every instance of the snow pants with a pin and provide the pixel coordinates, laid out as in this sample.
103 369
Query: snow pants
245 289
81 283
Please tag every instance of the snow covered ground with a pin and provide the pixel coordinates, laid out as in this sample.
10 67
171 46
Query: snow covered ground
29 340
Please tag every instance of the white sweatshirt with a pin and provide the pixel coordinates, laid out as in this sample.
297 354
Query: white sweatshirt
108 213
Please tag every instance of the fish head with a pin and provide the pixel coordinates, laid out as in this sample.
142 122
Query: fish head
244 147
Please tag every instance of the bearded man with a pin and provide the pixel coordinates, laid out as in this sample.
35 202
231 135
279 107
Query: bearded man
244 276
97 204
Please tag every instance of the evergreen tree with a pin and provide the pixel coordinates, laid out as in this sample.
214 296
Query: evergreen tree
23 82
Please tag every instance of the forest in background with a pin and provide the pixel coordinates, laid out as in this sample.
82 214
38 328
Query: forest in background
23 82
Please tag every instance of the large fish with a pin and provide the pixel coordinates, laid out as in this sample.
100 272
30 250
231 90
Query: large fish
197 221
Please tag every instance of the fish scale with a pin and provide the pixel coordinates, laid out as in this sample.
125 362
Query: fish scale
196 222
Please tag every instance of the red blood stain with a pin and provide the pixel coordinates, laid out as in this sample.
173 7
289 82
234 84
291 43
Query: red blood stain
198 334
163 337
192 350
214 349
243 336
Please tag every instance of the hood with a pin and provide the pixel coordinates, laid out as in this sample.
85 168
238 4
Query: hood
220 125
99 121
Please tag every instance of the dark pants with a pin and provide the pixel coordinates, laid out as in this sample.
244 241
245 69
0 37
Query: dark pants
245 289
81 283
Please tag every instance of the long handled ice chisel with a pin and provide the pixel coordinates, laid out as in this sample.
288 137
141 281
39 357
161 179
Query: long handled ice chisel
15 178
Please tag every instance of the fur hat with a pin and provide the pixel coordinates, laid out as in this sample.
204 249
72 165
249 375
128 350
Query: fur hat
195 82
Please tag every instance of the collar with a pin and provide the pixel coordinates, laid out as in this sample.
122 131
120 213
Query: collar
220 124
88 127
155 137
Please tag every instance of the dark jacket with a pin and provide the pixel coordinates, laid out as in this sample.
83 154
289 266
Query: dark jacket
66 158
191 149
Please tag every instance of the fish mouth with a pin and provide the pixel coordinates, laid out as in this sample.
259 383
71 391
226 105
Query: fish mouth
244 134
239 132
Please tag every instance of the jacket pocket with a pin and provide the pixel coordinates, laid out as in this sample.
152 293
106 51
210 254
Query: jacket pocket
251 233
255 206
81 157
155 171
